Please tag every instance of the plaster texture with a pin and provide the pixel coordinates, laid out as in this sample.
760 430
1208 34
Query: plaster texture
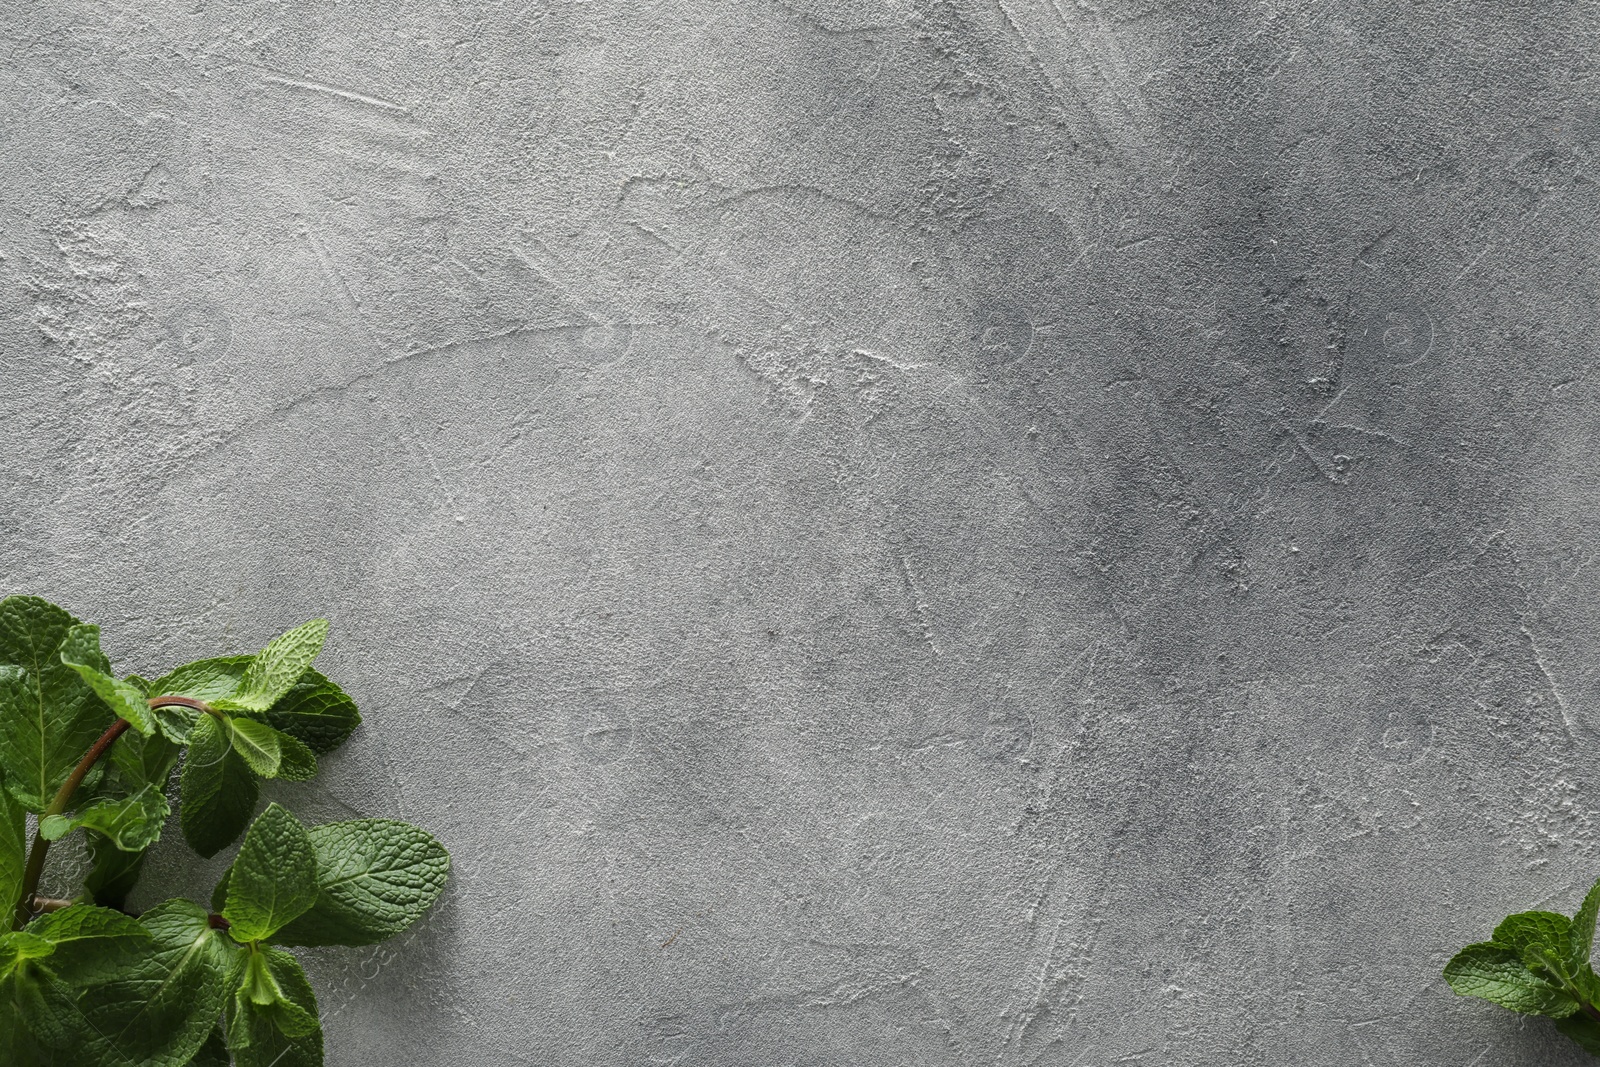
915 532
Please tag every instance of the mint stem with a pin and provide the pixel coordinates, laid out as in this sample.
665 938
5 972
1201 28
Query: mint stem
26 904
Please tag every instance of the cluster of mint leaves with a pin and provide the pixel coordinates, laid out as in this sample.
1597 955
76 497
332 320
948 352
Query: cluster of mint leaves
83 981
1537 963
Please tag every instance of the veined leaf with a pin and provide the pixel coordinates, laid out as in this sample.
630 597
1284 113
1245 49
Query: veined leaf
13 851
91 944
81 652
217 791
284 1032
48 714
132 823
376 877
276 668
162 1012
1496 972
317 712
208 680
273 879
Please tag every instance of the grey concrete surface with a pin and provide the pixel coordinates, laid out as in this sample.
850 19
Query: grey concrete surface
882 532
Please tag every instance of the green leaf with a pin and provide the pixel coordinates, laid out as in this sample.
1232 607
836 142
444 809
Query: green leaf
19 947
81 652
207 680
41 1023
1581 934
273 879
1535 929
257 743
133 823
216 791
91 944
284 1032
298 765
142 761
48 715
317 712
13 852
377 877
162 1013
1496 972
276 668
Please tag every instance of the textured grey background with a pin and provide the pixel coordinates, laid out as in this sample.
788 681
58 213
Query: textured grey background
898 532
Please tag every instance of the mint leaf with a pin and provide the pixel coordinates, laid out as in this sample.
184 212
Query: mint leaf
41 1024
273 879
132 823
209 680
81 652
257 743
13 852
142 760
276 668
317 712
283 1032
1529 930
48 715
1496 972
163 1010
216 791
90 944
299 765
376 877
1581 935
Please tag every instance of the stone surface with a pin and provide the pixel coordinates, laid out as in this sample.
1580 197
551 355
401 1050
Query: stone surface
888 532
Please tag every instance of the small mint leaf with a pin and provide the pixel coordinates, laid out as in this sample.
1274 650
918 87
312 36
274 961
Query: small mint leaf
142 760
298 763
273 879
257 743
1582 930
216 791
276 668
81 652
376 878
317 712
1496 972
132 823
283 1032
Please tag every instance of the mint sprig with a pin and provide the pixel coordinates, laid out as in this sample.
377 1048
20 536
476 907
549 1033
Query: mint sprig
82 981
1537 963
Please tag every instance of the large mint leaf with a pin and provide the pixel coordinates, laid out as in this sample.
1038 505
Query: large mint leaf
273 879
132 823
162 1012
317 712
13 852
216 792
42 1025
376 877
276 668
48 715
81 652
1496 972
284 1032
